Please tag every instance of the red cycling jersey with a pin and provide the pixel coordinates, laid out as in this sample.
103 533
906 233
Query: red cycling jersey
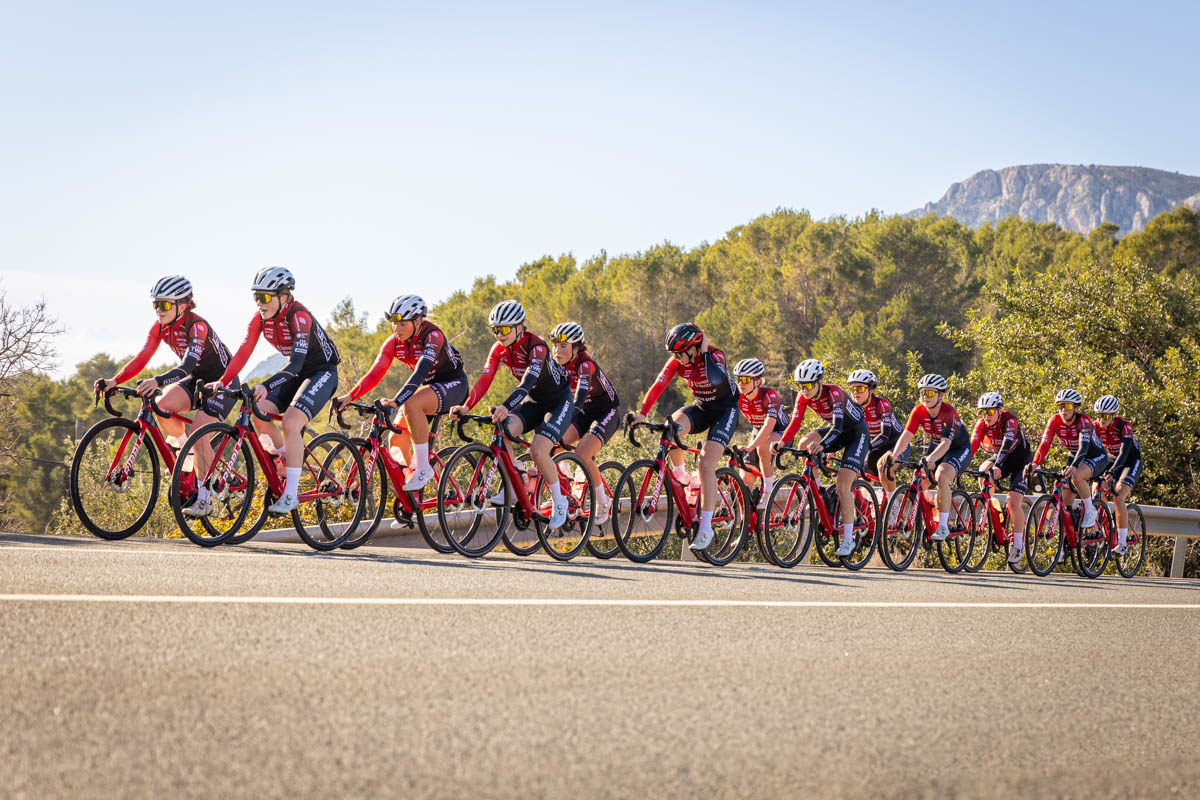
589 383
528 359
1000 438
427 344
946 425
766 404
707 376
1112 435
881 420
190 338
1079 437
292 332
833 405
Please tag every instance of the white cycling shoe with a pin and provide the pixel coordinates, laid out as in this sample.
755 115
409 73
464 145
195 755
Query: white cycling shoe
941 534
558 517
703 539
1119 550
417 481
198 508
1089 518
284 505
1015 555
846 549
498 499
603 512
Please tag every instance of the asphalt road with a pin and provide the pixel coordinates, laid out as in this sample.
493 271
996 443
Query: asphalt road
152 669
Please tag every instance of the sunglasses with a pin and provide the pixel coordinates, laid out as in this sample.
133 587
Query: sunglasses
808 386
1107 417
929 393
1066 406
559 339
164 305
744 379
502 330
393 318
262 298
858 390
991 412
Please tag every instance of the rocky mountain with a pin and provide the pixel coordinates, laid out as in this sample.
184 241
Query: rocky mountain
267 367
1076 197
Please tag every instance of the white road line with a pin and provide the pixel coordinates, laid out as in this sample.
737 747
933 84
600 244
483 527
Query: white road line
536 601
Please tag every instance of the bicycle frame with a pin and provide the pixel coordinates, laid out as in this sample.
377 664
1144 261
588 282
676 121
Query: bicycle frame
146 426
383 455
925 507
811 484
1070 535
987 492
501 456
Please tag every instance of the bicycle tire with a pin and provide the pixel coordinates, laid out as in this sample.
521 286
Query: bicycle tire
1043 536
328 472
376 498
1093 549
733 502
794 515
629 506
598 543
866 526
1129 564
954 551
561 544
903 531
984 537
243 479
90 519
479 463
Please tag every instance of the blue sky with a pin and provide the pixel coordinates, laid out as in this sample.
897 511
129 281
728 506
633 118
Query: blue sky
383 148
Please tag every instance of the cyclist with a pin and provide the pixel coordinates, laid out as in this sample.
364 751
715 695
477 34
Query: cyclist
1116 436
949 443
703 368
763 410
596 405
305 384
882 425
541 402
846 431
204 357
999 433
437 381
1075 432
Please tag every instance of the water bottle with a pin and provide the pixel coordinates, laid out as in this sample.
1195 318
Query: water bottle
694 487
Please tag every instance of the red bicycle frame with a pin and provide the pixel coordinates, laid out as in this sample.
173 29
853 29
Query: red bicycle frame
146 426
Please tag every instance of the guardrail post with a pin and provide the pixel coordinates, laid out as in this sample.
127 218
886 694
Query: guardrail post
1178 557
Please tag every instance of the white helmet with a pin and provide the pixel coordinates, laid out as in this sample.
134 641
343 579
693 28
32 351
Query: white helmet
1106 404
809 371
273 279
749 367
570 332
990 400
172 287
933 381
863 376
506 312
1068 396
407 307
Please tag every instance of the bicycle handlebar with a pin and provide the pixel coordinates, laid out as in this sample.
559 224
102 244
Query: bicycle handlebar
463 419
126 391
817 458
980 473
669 426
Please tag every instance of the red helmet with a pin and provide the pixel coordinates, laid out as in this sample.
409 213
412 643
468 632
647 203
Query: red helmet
683 336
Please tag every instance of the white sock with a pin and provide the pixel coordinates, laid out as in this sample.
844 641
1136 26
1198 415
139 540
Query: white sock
847 531
1087 505
292 486
1122 533
768 485
556 493
943 518
202 493
1018 539
421 454
706 521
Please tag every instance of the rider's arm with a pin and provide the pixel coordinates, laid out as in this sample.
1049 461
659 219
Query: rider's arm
772 414
434 342
910 428
538 355
243 353
139 362
1047 438
838 420
793 427
586 370
383 361
1012 431
1126 453
197 336
977 436
1086 434
887 423
301 325
665 376
486 377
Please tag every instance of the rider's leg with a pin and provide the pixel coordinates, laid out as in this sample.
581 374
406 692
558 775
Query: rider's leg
1122 495
175 400
675 455
1016 519
1081 480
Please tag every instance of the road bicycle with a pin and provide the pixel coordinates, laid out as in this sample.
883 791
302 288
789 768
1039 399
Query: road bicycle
116 469
332 490
649 501
1054 535
478 472
801 511
910 520
1127 565
991 510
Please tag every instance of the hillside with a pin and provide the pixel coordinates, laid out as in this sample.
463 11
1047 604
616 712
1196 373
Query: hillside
1076 197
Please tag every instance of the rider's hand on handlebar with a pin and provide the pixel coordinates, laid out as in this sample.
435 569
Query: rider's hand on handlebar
776 446
148 387
101 384
633 418
457 411
214 387
259 394
1068 472
995 473
339 403
816 448
499 413
388 402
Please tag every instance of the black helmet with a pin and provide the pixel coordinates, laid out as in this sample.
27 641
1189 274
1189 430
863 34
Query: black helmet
683 336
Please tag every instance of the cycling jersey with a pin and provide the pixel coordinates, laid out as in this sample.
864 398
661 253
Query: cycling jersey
295 333
1001 438
589 383
427 353
946 425
1079 436
189 337
766 404
1118 441
832 405
528 359
881 421
707 376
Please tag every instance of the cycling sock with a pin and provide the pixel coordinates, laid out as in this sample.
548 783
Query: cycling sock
706 521
847 531
943 518
1087 505
1122 534
202 493
292 486
421 455
1018 538
768 485
556 493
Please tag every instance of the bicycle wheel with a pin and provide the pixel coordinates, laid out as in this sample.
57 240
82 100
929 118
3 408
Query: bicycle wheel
985 534
376 496
954 552
1043 536
903 528
520 538
643 511
866 518
471 525
602 543
1094 545
114 479
229 478
258 512
730 520
332 492
826 541
789 521
426 500
568 541
1135 543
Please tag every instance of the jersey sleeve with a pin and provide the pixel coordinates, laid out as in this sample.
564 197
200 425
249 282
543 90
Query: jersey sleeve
586 371
486 377
793 427
139 362
918 415
1012 432
665 376
1128 445
243 353
537 362
375 374
773 407
1047 438
977 436
434 343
